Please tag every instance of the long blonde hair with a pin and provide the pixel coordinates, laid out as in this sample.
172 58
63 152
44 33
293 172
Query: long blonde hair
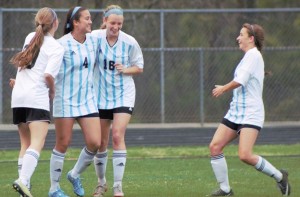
44 20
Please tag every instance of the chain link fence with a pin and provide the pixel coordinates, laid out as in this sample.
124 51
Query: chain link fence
186 53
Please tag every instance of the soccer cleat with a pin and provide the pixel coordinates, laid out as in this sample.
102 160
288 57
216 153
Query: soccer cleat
21 188
220 192
57 193
284 185
77 187
118 191
100 190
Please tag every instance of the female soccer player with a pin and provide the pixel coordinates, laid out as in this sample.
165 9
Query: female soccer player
245 117
75 100
33 89
120 57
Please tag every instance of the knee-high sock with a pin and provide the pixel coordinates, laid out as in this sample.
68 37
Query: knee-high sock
30 161
119 163
219 166
100 163
20 163
56 168
267 168
84 160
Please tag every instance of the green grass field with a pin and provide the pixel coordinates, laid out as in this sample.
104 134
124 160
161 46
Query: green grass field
166 172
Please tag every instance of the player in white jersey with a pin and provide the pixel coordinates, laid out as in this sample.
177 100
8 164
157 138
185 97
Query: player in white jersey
119 58
245 116
33 89
75 100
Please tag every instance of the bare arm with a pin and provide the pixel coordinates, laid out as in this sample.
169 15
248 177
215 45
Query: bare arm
132 70
50 83
220 89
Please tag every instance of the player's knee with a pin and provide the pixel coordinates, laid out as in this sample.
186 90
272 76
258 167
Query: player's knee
117 139
245 157
61 147
93 146
215 148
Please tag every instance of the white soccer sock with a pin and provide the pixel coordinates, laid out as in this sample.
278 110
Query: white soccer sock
30 161
56 168
265 167
84 160
100 163
219 166
119 162
20 162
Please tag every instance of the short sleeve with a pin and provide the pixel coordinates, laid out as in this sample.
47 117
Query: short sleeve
55 57
245 68
136 55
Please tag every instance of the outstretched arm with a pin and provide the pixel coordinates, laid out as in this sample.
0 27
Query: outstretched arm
220 89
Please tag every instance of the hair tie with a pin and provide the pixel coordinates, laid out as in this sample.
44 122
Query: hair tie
68 25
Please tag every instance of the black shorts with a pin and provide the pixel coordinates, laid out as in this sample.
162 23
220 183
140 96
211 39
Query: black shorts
26 115
93 115
238 127
109 113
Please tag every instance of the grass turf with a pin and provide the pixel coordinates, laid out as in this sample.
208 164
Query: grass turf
166 172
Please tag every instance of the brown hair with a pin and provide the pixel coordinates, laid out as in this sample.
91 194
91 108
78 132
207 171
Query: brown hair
68 27
44 20
257 32
103 26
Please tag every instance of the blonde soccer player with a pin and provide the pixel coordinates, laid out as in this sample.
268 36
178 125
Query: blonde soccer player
119 58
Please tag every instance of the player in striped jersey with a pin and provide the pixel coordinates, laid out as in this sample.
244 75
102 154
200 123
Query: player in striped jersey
75 100
33 89
245 116
119 58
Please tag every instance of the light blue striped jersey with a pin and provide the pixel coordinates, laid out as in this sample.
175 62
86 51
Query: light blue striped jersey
112 88
75 94
247 105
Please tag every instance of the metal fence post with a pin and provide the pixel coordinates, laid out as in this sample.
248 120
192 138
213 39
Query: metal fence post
1 65
162 67
201 85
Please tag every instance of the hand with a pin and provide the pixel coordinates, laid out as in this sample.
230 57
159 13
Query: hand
120 68
12 82
218 90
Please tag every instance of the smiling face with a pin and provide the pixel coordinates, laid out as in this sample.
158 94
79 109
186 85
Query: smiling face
114 24
84 24
245 42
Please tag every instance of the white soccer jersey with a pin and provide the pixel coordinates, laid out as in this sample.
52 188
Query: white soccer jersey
30 89
247 105
74 94
112 88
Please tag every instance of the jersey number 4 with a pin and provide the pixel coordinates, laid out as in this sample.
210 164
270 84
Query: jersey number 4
85 63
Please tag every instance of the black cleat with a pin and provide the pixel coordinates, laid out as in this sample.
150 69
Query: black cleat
284 185
220 192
